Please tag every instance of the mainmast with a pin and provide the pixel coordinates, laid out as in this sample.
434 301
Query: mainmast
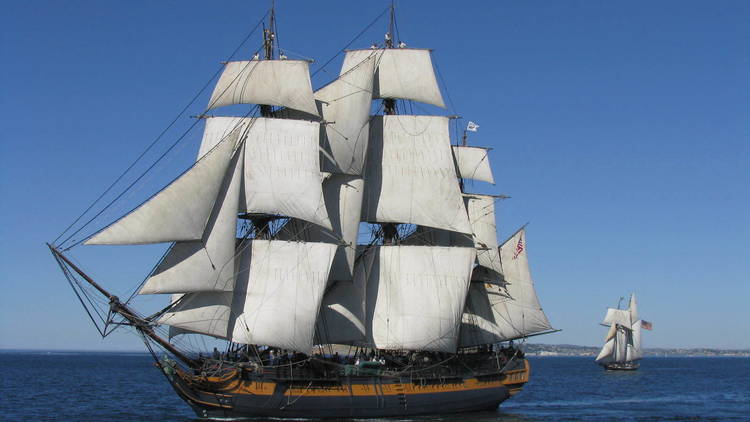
390 230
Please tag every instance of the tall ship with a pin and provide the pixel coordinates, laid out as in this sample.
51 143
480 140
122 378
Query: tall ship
325 258
622 347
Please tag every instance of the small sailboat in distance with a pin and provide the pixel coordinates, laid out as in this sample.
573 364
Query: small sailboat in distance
622 347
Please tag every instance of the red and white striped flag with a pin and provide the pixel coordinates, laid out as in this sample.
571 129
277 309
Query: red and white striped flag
519 247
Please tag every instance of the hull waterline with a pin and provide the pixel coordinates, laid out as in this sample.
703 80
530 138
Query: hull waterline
239 395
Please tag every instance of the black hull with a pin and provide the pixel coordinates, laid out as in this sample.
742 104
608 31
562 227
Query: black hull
373 396
621 366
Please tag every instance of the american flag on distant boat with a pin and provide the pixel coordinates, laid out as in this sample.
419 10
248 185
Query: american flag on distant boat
646 325
519 247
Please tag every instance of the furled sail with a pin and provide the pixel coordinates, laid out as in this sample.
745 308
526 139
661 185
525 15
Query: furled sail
204 313
343 198
481 209
410 175
506 307
473 163
181 210
282 170
405 73
283 83
416 295
208 264
278 292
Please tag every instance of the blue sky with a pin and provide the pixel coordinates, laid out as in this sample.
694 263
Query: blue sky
621 131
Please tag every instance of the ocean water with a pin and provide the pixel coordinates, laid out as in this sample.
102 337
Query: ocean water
40 386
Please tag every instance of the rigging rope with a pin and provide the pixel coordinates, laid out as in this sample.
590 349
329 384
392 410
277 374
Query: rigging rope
153 143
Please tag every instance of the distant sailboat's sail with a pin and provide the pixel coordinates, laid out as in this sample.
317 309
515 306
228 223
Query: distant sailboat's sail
282 170
410 175
503 308
274 82
416 295
402 73
278 292
617 316
473 163
606 354
208 264
181 210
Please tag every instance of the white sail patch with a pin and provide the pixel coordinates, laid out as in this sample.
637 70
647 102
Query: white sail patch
345 107
218 128
617 316
342 314
473 163
410 175
284 83
282 170
481 210
405 73
416 295
208 264
503 307
180 211
205 313
605 355
343 198
278 292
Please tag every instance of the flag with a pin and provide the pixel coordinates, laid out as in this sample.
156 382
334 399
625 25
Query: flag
472 127
646 325
519 247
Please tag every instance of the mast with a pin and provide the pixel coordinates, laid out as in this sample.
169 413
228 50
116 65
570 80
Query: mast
390 230
262 223
123 309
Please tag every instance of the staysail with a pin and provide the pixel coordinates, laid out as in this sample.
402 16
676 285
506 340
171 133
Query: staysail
501 308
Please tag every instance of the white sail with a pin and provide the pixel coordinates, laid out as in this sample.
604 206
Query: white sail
481 210
181 210
605 355
405 73
208 264
205 313
278 292
621 345
410 175
282 170
343 198
342 314
617 316
473 163
345 107
636 337
218 128
416 295
633 309
501 308
283 83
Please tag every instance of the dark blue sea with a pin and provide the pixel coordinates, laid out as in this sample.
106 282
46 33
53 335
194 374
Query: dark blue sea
41 386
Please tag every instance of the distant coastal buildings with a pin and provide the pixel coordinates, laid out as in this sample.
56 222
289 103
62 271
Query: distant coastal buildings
542 350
